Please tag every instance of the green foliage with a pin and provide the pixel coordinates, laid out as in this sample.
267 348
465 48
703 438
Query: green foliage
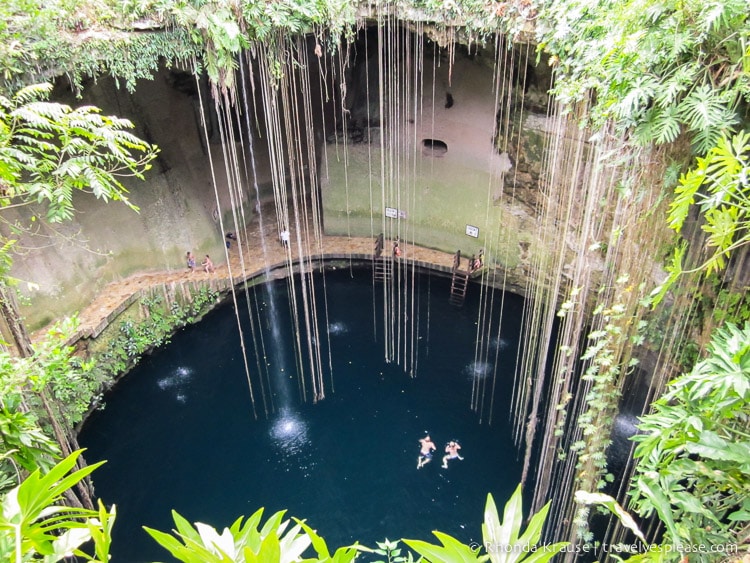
718 185
35 526
275 540
246 542
390 551
450 550
54 371
732 306
135 338
48 151
694 449
503 541
604 365
85 38
655 68
654 553
24 445
82 38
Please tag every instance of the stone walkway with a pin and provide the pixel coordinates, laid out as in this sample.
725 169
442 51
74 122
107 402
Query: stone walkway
116 296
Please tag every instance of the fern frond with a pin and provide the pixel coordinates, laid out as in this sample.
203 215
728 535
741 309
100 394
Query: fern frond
32 93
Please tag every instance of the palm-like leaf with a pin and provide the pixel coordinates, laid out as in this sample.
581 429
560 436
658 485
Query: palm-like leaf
49 149
33 523
240 543
504 541
450 550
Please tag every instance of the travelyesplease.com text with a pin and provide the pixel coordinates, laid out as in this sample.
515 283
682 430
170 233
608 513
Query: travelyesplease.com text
603 548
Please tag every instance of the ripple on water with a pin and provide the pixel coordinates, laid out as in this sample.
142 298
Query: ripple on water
499 343
478 370
337 328
177 383
289 434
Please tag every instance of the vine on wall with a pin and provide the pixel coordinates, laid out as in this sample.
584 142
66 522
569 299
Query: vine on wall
153 327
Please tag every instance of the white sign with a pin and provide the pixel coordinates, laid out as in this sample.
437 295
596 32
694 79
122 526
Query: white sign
472 231
392 212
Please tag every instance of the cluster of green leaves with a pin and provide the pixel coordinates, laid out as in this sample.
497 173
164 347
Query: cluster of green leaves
81 38
655 69
732 306
503 541
36 526
275 540
479 18
247 542
694 449
222 29
86 38
54 371
23 23
718 185
24 446
48 151
135 338
390 550
603 375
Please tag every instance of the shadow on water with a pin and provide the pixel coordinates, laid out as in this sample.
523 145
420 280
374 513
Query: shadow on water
178 431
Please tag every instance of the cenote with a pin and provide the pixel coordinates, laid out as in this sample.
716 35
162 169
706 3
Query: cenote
178 432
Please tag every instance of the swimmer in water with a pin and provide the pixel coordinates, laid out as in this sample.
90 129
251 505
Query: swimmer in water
425 451
451 452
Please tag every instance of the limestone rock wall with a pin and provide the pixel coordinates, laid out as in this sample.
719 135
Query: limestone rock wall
63 266
460 158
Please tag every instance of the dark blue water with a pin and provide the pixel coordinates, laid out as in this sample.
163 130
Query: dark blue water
178 432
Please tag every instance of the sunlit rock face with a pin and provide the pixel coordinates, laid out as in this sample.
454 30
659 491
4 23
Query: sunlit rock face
459 121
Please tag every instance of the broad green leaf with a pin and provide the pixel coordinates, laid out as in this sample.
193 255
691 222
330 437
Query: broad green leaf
660 503
614 507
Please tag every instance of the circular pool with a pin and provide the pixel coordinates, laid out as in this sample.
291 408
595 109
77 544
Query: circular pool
179 432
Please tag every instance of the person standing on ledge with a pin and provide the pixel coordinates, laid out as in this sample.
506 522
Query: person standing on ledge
284 237
451 452
425 451
396 250
190 261
208 265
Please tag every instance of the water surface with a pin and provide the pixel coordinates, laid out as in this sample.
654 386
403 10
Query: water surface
179 432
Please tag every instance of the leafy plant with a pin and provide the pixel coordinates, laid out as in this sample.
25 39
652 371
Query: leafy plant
246 542
503 541
50 390
49 150
655 69
605 363
694 449
390 550
34 525
718 185
136 337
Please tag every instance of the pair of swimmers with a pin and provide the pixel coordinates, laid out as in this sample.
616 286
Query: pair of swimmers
427 446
